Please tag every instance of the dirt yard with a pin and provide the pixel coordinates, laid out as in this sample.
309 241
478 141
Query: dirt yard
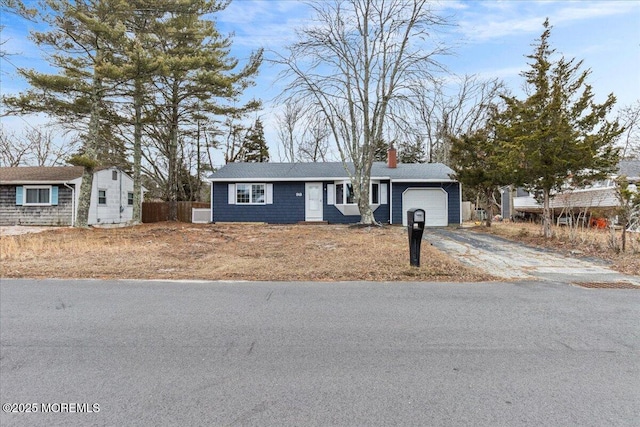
227 252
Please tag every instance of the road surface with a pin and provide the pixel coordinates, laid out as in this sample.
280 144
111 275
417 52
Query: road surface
91 352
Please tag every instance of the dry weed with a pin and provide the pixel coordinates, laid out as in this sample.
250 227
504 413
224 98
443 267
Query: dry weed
228 252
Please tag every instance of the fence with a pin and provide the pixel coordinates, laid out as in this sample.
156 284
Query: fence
159 211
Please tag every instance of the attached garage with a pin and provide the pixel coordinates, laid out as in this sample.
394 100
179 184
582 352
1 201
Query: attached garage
432 200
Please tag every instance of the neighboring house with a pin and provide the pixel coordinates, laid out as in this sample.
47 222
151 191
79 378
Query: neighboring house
600 195
288 193
49 196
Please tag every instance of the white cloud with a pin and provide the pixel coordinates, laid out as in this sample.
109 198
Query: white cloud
496 19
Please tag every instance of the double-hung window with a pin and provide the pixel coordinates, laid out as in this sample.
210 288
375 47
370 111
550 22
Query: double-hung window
250 194
102 197
375 193
38 195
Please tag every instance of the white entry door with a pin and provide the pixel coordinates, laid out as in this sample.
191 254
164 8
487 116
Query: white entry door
313 201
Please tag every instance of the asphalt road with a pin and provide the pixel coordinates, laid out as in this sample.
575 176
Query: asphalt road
306 354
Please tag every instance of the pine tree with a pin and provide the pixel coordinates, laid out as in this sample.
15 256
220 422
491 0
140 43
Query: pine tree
558 132
476 160
198 77
412 152
254 147
81 34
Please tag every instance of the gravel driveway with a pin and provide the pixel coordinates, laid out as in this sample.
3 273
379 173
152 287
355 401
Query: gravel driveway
516 261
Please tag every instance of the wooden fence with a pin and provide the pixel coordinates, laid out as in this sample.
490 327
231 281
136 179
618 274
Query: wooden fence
159 211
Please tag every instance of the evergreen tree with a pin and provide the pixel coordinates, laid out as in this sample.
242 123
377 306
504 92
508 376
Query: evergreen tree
476 160
412 152
81 34
558 132
254 147
197 77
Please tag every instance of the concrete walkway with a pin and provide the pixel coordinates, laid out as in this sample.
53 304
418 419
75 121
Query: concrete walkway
515 261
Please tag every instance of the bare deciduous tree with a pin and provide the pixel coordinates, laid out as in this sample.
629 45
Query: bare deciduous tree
314 146
357 66
630 139
448 109
34 147
304 135
288 126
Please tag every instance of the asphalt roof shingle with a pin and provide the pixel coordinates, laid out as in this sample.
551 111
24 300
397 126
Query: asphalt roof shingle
39 174
328 170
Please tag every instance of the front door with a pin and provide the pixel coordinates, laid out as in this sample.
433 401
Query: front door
313 201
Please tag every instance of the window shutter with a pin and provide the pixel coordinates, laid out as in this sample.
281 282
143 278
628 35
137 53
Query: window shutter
19 195
383 194
54 195
269 195
232 194
330 191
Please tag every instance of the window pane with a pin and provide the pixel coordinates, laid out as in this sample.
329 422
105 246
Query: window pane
102 197
257 193
130 199
43 195
375 192
32 195
38 196
350 197
339 194
243 193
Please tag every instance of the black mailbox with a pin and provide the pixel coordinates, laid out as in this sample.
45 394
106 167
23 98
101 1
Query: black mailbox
415 226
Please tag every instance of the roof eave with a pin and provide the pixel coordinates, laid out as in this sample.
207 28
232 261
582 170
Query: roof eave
37 182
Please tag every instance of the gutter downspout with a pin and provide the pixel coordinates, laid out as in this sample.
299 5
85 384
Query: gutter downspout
73 203
120 197
390 202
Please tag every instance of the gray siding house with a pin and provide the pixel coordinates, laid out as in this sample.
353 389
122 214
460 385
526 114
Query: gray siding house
286 193
49 196
600 195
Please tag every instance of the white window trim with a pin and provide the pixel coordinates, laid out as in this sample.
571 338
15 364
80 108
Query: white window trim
251 202
334 194
35 187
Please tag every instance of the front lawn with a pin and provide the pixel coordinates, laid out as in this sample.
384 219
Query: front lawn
227 252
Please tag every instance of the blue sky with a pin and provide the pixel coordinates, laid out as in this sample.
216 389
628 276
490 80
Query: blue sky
491 39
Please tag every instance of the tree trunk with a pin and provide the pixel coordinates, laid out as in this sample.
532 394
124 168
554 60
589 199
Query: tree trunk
84 198
90 150
546 216
366 214
488 209
173 161
137 153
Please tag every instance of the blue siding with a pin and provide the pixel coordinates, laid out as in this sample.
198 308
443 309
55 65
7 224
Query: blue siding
453 199
287 208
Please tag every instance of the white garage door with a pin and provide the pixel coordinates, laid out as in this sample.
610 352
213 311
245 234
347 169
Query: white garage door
432 200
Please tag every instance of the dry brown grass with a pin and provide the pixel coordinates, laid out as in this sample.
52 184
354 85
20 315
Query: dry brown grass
227 252
587 242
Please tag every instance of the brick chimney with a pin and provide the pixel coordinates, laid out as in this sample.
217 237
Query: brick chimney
392 157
